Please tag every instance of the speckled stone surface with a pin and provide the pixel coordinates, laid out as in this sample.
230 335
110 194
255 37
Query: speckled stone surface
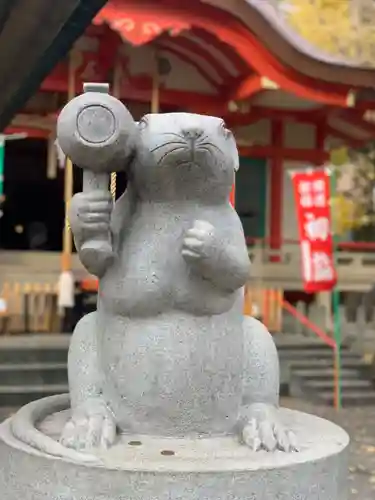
168 351
144 467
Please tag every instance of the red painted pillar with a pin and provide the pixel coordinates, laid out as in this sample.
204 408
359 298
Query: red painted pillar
276 190
232 196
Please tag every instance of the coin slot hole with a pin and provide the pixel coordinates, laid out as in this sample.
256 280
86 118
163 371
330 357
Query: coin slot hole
135 443
167 453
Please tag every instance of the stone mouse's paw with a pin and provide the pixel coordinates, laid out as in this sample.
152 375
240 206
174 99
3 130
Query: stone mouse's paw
268 435
91 211
198 241
263 431
91 426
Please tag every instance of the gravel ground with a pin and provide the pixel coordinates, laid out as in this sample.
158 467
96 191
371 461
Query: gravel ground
359 423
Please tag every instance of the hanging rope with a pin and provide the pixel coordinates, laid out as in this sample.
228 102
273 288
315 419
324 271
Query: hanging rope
117 77
113 185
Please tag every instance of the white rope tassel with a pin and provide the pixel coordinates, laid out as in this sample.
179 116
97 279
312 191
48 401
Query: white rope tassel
61 158
51 159
65 297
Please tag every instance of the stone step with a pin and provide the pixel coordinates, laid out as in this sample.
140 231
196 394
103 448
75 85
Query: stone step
33 373
18 395
346 384
308 354
33 356
285 342
324 373
349 398
34 348
307 366
356 362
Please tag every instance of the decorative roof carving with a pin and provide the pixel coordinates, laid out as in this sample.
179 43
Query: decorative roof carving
139 27
334 31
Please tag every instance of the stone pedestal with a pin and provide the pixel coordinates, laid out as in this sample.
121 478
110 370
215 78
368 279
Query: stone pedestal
144 467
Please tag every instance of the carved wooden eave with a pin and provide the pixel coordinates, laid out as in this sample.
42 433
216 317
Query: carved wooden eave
229 52
266 20
277 60
146 20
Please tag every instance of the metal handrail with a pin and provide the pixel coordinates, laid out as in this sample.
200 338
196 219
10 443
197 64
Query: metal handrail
304 320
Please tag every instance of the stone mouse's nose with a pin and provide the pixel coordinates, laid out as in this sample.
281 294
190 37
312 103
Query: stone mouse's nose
192 133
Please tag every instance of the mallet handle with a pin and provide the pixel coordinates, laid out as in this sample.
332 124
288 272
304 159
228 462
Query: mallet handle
97 251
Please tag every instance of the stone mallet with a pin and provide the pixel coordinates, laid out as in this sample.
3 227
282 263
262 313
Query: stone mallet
98 134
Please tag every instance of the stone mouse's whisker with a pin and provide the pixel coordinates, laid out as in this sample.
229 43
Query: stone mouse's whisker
170 152
181 143
209 145
172 134
214 154
189 163
206 149
204 138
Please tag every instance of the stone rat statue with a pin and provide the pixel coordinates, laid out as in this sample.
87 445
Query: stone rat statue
168 351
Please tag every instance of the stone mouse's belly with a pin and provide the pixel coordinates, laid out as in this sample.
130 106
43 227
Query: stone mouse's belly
174 373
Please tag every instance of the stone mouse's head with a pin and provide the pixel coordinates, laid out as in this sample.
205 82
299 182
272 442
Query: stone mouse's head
183 156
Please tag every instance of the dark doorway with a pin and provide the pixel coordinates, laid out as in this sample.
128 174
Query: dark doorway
251 196
33 210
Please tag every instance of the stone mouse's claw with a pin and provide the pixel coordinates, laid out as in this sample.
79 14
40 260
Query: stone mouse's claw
192 248
197 240
269 436
88 429
250 435
201 231
203 226
265 432
88 433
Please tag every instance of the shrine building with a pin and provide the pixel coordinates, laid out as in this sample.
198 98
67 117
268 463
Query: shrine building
288 102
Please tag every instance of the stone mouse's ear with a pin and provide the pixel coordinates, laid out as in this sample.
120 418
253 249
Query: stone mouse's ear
233 151
236 164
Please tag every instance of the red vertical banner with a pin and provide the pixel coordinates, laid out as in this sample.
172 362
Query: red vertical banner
312 195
